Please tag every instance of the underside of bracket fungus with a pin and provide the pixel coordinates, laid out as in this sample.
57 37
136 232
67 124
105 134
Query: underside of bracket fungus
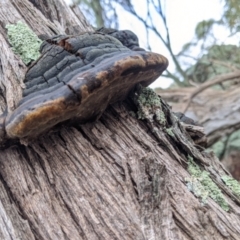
78 77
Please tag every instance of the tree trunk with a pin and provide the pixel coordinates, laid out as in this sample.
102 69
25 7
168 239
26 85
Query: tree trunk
116 178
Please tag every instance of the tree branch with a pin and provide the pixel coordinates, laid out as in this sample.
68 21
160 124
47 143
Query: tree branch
209 83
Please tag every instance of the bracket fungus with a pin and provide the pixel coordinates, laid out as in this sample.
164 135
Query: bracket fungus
78 77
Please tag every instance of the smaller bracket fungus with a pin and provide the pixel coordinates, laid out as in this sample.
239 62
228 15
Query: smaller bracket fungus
78 77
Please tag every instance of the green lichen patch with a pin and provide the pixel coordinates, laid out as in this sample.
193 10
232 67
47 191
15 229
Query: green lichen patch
198 189
233 184
204 186
24 41
149 105
170 132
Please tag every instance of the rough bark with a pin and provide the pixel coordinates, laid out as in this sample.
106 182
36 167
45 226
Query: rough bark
117 178
218 112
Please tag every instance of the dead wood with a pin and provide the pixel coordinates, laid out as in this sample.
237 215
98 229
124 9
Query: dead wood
216 110
218 79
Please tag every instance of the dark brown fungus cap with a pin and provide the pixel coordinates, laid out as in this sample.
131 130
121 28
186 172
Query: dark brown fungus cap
78 77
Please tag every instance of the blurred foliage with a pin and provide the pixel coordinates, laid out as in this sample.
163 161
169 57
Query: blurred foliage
203 28
99 12
231 15
219 59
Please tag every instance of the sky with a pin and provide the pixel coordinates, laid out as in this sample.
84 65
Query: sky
182 18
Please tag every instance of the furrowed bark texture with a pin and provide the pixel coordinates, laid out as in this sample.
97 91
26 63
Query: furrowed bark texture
117 178
218 112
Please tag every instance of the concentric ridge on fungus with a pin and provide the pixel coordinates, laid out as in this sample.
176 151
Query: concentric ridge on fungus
78 77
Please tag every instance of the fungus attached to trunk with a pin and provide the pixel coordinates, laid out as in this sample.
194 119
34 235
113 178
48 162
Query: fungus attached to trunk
78 77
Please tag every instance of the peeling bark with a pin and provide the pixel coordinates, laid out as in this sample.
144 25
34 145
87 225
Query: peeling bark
117 178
